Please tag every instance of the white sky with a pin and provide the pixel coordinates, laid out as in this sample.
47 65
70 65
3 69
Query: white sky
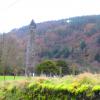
16 13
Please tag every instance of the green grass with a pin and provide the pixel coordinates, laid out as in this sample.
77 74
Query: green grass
11 78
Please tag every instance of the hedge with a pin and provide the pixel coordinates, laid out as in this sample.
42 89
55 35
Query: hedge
81 87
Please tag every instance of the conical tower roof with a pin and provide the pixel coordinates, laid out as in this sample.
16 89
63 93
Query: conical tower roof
33 24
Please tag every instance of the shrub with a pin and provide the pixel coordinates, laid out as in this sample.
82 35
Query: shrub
63 66
47 67
65 88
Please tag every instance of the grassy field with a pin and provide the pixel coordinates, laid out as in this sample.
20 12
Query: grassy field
11 78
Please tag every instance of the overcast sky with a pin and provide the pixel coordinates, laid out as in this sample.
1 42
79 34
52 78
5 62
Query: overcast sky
16 13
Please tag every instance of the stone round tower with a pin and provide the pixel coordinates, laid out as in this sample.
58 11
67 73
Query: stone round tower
31 49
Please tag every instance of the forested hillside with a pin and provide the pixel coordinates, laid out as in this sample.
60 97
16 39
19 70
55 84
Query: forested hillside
76 40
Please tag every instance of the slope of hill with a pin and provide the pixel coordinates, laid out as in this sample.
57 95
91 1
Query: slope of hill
77 40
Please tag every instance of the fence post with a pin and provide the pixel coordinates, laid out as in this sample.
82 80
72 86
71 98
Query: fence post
60 71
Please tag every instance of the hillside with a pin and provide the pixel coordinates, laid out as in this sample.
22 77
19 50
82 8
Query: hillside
77 40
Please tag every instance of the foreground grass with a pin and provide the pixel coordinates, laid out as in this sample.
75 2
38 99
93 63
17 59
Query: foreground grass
85 86
8 78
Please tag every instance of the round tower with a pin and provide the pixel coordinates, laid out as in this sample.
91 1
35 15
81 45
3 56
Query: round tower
31 49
